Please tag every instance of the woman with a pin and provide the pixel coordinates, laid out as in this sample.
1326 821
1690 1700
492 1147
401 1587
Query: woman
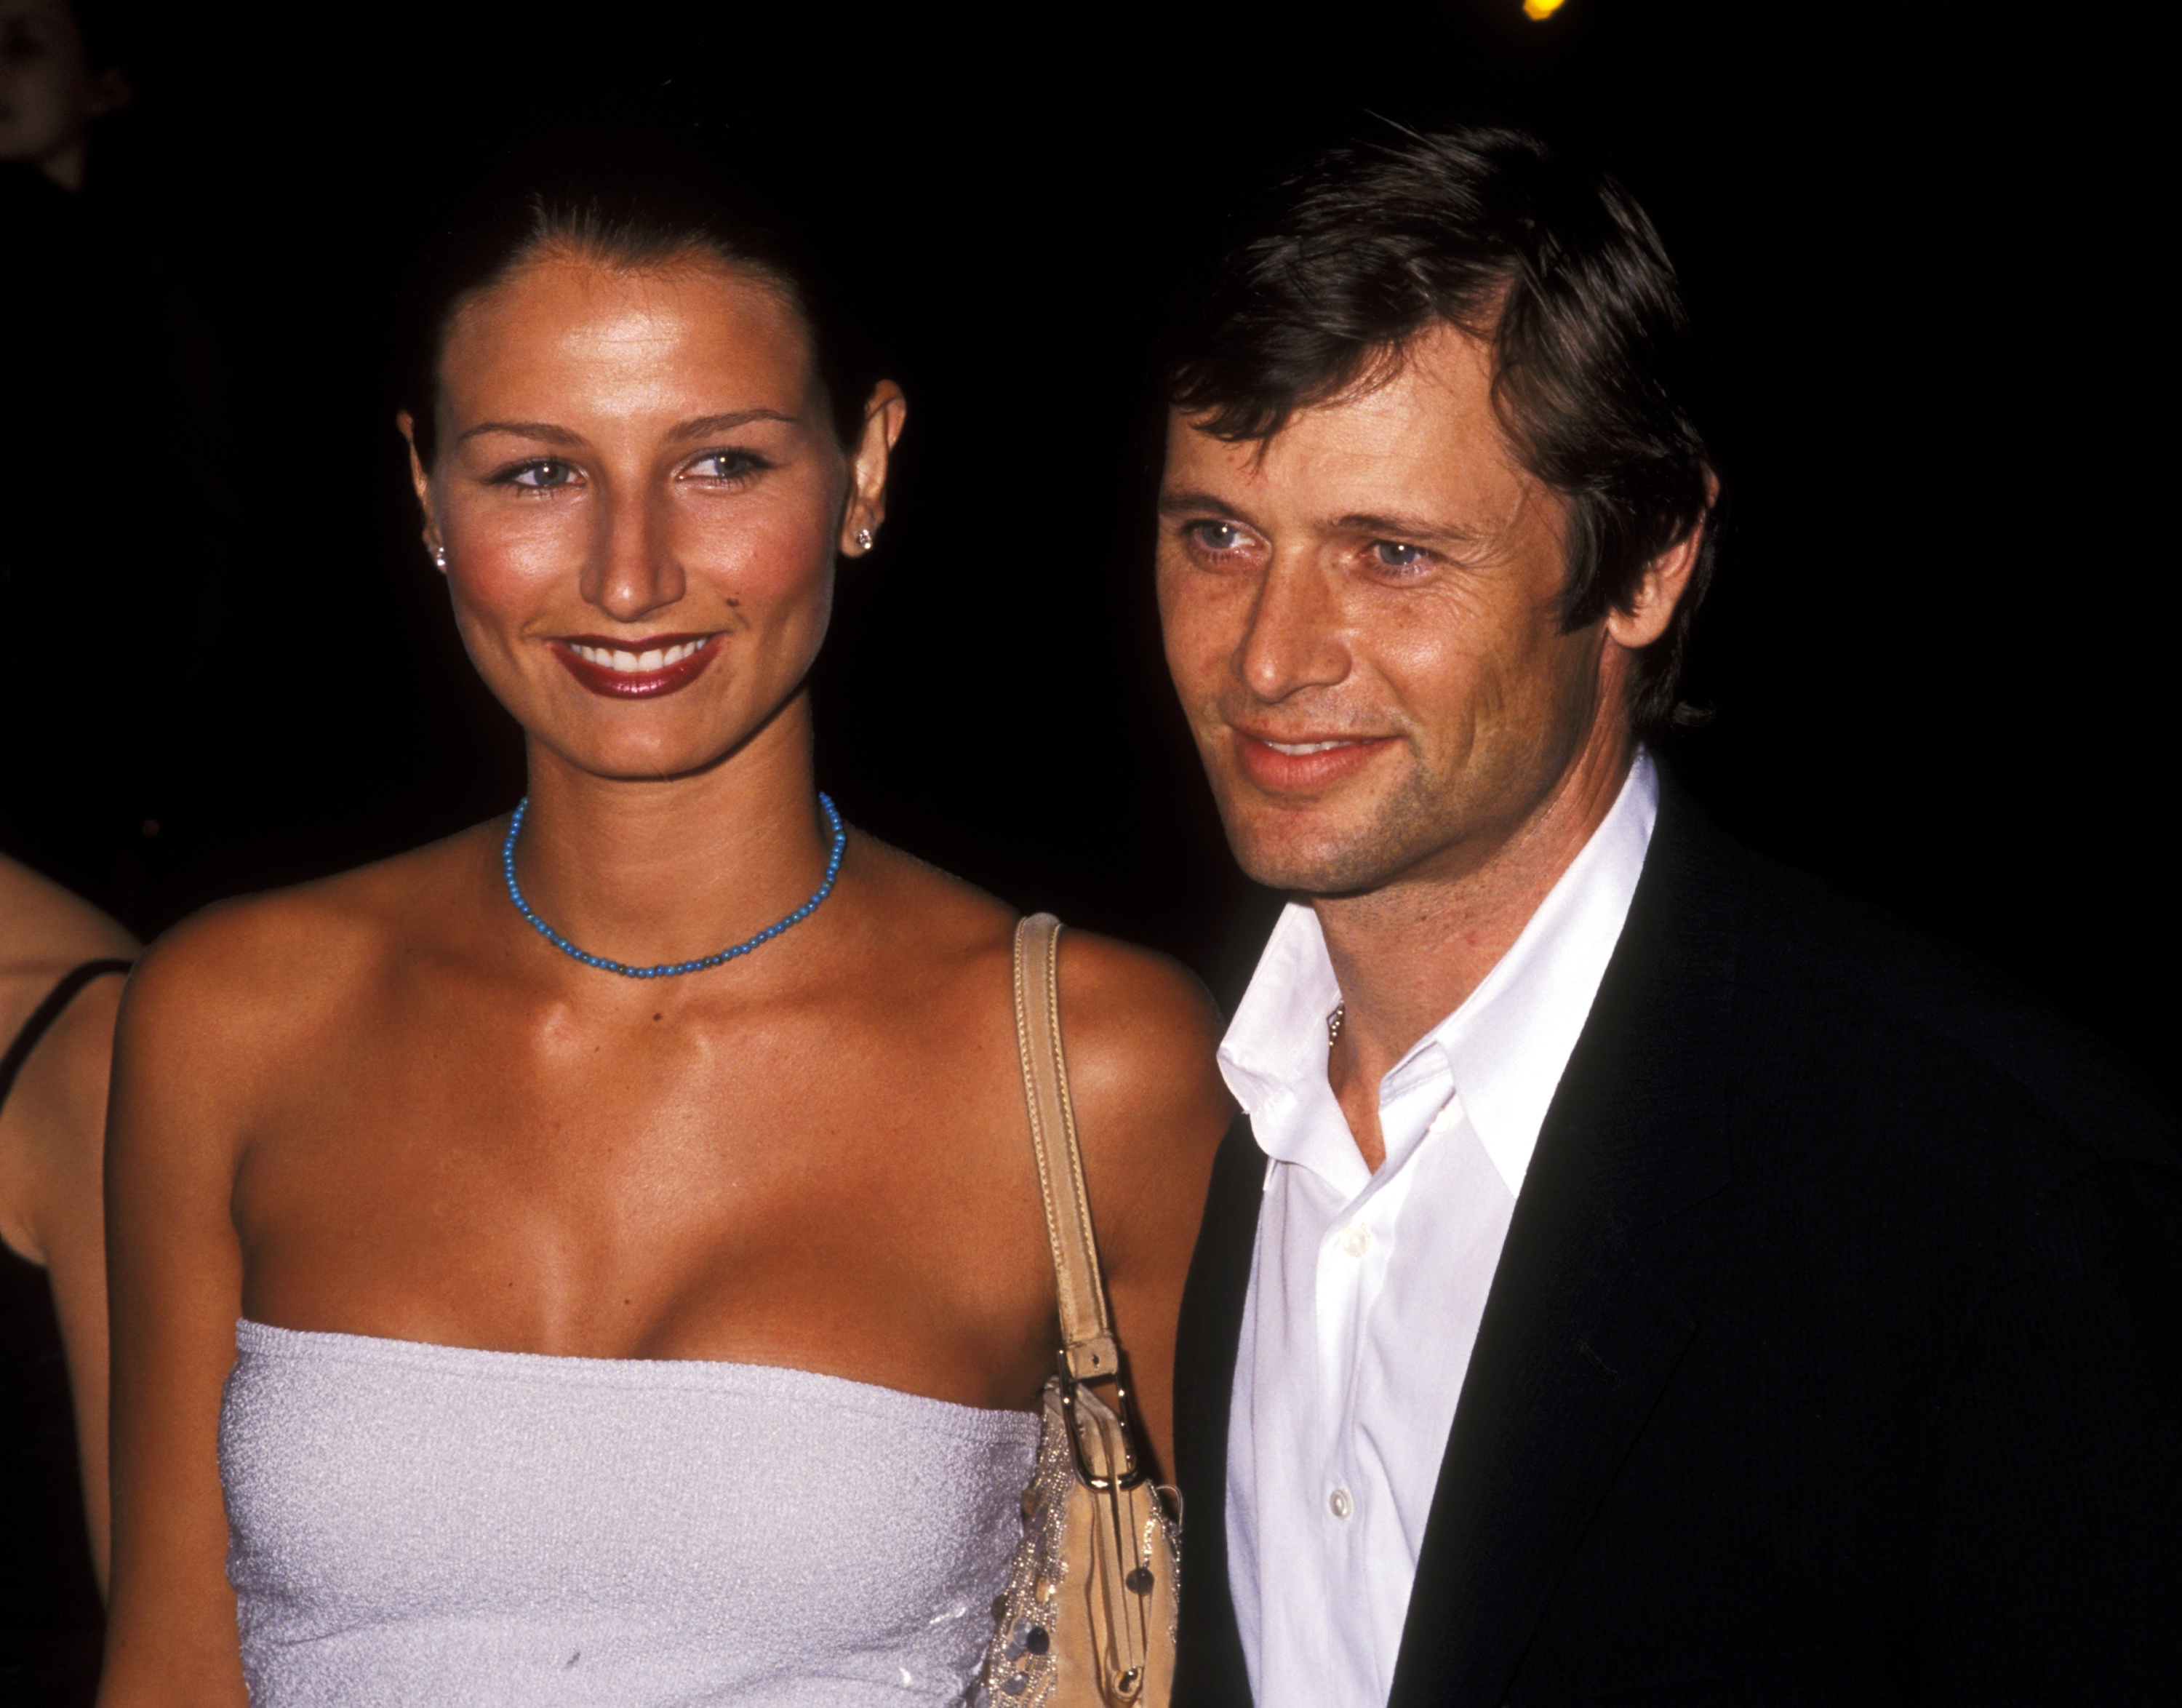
58 958
660 1338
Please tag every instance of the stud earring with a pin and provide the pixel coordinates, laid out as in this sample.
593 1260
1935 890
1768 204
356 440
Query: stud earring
439 555
863 539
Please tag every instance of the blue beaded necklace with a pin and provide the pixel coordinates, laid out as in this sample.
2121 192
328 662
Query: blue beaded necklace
668 969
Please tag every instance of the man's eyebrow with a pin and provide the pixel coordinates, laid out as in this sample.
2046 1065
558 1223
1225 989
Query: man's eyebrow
704 425
1406 528
1188 503
1378 524
522 429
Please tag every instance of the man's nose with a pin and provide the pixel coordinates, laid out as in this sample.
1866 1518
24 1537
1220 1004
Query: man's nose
1296 637
633 570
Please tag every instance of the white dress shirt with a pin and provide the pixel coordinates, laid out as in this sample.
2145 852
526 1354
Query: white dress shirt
1367 1288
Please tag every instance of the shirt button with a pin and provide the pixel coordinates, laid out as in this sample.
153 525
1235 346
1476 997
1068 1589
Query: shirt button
1443 1120
1356 1239
1340 1503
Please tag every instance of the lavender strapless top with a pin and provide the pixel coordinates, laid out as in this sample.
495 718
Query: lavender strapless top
413 1524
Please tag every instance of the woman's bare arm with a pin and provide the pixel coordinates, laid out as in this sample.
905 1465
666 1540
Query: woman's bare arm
52 1138
60 1101
183 1063
1140 1033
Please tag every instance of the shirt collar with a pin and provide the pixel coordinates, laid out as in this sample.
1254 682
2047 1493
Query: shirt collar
1273 1056
1506 1046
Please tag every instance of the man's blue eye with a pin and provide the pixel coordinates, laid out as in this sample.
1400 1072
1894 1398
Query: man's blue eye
1396 556
1217 536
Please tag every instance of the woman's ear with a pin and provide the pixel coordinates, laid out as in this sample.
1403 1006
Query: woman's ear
422 482
867 469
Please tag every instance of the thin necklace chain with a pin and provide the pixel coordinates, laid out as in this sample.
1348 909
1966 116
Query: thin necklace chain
669 969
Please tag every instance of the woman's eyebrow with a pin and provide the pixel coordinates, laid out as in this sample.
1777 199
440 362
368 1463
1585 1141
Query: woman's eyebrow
697 428
704 425
522 429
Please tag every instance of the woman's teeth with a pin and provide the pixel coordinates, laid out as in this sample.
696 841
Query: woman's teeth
636 663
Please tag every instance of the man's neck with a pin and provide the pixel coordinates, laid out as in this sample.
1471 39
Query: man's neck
1408 955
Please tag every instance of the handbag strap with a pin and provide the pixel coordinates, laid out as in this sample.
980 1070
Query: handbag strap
1088 1350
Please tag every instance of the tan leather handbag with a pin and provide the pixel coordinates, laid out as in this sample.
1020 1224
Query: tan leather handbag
1087 1617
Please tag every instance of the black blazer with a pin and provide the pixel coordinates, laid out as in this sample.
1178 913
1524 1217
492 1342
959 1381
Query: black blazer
1832 1356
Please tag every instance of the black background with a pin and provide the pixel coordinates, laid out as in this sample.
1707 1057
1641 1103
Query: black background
1916 238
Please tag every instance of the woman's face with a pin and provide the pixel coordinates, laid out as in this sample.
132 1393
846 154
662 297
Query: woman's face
639 495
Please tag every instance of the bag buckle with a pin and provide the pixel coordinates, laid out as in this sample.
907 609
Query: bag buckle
1122 1440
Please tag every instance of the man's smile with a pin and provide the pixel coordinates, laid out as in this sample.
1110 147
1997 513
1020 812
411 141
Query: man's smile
1296 761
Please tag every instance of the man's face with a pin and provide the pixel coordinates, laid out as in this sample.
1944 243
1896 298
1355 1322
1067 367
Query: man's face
1362 619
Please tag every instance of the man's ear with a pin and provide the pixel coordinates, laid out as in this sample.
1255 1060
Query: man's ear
423 483
1666 578
884 416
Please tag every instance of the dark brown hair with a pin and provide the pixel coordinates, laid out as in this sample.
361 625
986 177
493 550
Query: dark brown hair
635 201
1556 267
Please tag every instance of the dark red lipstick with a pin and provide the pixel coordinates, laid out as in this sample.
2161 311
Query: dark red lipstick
616 669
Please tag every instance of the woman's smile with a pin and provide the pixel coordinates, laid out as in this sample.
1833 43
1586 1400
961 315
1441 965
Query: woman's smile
636 668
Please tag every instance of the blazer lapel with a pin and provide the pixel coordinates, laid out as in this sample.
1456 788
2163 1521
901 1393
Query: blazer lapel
1579 1336
1210 1669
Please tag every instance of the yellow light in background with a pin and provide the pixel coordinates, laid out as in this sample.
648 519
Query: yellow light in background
1539 10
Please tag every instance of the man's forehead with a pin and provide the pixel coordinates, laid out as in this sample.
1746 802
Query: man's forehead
1425 423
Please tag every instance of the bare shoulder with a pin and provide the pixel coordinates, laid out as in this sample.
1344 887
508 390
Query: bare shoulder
946 918
1140 1032
53 1120
45 931
1138 1029
1131 1018
1134 1017
252 978
1135 1025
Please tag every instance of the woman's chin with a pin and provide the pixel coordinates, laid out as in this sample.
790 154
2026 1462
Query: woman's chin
625 761
658 741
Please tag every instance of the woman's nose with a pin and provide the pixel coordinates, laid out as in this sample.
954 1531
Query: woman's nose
633 570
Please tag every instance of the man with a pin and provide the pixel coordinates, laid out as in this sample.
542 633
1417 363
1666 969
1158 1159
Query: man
1640 1274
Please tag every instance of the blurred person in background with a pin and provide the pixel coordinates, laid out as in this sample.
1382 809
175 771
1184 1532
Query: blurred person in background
99 561
78 544
57 77
59 960
72 343
102 559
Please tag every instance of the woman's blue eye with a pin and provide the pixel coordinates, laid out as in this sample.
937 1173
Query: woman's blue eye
727 465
